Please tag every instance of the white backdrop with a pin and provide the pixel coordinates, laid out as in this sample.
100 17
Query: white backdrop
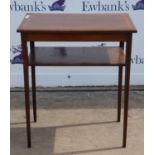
75 76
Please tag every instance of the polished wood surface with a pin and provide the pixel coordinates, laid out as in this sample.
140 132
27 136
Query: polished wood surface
77 22
78 56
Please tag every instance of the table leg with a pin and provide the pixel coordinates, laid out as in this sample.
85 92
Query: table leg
119 93
33 81
26 88
127 82
120 87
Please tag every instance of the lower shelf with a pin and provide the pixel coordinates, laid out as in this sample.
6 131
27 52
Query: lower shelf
77 56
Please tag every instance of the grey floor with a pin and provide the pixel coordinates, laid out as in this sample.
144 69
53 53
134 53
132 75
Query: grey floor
77 123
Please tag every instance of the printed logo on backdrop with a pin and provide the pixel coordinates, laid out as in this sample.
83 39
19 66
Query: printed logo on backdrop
37 6
137 60
58 5
111 5
107 6
139 5
16 56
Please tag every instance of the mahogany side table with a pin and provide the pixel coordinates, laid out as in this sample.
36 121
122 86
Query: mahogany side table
76 27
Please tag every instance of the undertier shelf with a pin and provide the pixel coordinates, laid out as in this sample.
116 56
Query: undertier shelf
77 56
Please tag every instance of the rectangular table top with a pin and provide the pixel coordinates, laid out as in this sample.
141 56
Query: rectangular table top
105 22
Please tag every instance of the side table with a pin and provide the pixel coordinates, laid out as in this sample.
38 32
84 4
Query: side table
76 27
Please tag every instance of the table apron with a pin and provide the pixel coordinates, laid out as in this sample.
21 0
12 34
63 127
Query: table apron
76 36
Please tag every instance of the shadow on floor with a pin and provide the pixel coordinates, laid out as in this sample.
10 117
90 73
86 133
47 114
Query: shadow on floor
70 125
44 140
